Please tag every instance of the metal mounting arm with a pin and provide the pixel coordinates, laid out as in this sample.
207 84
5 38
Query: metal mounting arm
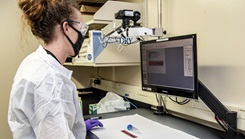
229 117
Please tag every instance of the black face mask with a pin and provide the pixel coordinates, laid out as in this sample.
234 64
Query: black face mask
78 44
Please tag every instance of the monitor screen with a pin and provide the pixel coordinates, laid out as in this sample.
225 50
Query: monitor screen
169 66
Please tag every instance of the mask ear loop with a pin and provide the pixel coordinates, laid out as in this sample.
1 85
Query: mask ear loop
78 34
65 34
64 31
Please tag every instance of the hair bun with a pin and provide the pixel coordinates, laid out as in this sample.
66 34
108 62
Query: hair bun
43 15
33 9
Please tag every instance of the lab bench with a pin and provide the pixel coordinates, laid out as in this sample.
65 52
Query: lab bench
192 128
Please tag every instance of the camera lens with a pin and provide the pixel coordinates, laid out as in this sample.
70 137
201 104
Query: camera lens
136 16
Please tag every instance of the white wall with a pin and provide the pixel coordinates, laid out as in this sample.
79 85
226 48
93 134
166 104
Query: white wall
219 26
13 50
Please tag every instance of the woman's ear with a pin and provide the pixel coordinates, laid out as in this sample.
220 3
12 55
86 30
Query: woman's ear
65 27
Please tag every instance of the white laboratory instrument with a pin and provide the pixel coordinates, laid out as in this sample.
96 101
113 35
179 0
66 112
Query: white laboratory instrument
129 31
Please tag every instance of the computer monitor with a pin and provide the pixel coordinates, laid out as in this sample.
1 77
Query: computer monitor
169 66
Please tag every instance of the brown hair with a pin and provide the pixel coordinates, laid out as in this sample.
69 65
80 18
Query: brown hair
43 15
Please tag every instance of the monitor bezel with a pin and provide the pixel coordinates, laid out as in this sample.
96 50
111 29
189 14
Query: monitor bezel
170 91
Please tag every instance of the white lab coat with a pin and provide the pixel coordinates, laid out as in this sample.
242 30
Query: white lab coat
43 101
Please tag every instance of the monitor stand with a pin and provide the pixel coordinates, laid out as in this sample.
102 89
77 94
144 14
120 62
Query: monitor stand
160 108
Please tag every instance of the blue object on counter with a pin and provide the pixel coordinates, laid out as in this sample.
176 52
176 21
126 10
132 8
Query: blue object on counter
133 129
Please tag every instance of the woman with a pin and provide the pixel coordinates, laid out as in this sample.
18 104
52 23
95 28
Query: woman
43 101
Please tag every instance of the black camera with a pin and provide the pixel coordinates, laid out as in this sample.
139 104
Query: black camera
126 16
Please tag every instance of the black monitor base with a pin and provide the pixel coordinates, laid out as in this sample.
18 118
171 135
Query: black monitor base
160 110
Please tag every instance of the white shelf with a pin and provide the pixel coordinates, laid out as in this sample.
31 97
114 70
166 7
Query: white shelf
106 64
102 64
68 64
97 24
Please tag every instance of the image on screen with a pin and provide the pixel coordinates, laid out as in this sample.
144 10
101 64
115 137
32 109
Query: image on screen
169 66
